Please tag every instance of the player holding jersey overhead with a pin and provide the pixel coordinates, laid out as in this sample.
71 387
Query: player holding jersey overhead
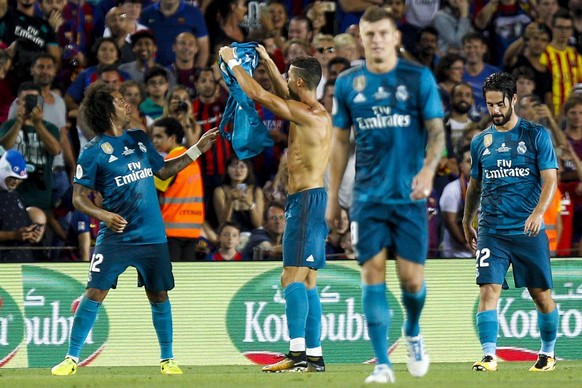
120 164
396 112
513 177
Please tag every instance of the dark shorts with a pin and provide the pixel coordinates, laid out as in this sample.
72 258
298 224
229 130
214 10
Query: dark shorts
154 269
402 227
529 257
305 229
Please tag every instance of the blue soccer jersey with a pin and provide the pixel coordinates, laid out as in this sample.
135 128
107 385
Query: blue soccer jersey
387 113
121 169
508 164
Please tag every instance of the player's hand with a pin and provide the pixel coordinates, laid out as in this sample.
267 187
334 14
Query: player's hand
533 225
422 184
332 213
115 222
226 53
262 51
207 140
470 236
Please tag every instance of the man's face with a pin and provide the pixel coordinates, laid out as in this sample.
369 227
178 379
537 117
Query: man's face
379 39
537 43
144 49
547 7
524 86
229 237
160 139
474 51
112 79
117 21
462 99
132 95
43 72
133 10
262 77
275 223
157 86
47 6
298 30
398 8
292 84
206 85
427 43
562 30
122 108
500 107
324 50
185 47
574 116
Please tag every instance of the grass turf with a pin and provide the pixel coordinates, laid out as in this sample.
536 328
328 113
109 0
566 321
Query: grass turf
514 375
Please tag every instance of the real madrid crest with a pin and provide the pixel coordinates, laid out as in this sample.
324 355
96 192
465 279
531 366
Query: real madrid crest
359 83
142 147
521 148
107 148
488 140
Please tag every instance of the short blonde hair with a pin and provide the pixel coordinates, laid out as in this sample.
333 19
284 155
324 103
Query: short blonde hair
344 40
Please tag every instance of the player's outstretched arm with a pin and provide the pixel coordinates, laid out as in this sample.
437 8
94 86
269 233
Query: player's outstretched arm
83 203
177 164
338 160
471 205
279 85
422 182
534 222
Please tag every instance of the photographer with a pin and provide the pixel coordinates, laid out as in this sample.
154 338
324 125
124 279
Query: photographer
37 140
178 105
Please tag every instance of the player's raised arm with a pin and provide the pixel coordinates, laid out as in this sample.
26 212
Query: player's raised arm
277 81
285 109
177 164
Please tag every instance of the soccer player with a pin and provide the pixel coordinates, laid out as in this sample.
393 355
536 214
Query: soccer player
513 177
305 230
120 164
396 112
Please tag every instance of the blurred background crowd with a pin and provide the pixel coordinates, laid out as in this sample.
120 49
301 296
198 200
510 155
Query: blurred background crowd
162 56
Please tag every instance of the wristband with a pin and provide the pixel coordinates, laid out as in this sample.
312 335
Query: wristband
193 152
232 63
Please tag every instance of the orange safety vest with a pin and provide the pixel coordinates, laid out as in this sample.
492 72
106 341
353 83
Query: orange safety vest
182 203
550 216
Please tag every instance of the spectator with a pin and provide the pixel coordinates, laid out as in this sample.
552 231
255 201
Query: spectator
300 27
575 7
168 19
526 51
132 9
354 30
421 13
476 70
452 23
458 118
16 228
273 24
37 140
134 94
316 12
323 51
545 9
408 31
265 241
335 66
333 249
328 92
118 26
224 21
346 47
238 199
449 73
452 205
144 47
156 81
178 105
562 60
228 239
295 48
181 196
207 109
427 52
184 67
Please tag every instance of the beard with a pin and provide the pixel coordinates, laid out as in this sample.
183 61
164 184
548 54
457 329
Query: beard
504 118
462 107
293 95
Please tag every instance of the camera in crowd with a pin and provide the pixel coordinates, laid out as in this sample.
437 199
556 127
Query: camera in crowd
182 106
32 100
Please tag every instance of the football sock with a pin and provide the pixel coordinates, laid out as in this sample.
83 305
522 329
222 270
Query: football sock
296 308
488 327
413 302
162 319
82 324
313 324
378 319
548 325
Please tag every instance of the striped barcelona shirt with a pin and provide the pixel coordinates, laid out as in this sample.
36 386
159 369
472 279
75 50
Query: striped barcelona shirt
566 69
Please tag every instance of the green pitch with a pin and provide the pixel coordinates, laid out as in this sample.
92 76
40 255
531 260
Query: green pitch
513 375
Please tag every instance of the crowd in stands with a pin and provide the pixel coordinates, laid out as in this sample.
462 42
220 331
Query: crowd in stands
162 57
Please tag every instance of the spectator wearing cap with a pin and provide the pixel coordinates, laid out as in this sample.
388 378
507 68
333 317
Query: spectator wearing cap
168 19
145 49
17 230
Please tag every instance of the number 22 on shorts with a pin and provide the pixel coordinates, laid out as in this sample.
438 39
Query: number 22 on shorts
95 261
481 257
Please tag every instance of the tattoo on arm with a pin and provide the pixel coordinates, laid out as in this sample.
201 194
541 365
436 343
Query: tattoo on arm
173 166
436 142
472 200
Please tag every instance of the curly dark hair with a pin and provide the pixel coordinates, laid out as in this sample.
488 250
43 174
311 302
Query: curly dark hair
500 82
97 107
